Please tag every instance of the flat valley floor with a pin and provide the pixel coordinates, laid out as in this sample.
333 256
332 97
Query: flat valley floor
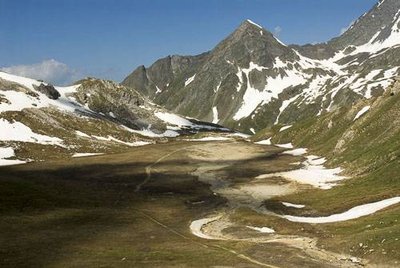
139 209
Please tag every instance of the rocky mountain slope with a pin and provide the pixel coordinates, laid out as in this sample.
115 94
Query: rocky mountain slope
364 141
252 80
38 120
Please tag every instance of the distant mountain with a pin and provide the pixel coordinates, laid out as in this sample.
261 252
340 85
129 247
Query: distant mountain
252 80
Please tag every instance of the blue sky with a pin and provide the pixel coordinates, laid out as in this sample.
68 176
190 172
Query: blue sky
109 38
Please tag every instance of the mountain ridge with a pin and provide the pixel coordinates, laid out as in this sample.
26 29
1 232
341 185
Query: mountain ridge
241 81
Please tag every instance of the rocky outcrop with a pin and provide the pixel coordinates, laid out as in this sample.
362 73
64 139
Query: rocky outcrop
48 90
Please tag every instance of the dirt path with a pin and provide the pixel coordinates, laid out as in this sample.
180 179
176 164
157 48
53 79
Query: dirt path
149 167
231 251
146 215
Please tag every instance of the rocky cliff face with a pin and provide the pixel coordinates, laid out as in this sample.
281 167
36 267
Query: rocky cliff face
251 80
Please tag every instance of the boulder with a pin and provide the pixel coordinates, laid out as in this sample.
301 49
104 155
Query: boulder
49 91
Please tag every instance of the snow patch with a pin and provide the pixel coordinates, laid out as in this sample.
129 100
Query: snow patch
190 80
361 112
26 82
215 115
252 22
148 133
112 139
264 230
353 213
285 104
285 128
173 119
17 131
287 145
274 86
313 173
81 134
264 142
85 154
7 153
296 152
290 205
241 135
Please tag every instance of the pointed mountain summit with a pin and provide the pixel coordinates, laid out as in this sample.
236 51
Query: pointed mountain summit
375 25
250 43
251 80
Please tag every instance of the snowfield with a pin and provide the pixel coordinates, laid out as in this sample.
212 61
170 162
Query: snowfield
354 213
174 119
20 100
17 131
7 153
313 173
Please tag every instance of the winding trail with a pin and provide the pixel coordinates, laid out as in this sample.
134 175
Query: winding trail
149 167
231 251
146 215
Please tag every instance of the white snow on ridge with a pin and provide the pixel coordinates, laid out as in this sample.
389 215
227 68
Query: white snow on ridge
173 119
252 22
285 104
279 41
354 213
20 100
380 3
7 153
26 82
285 128
274 86
17 131
361 112
215 115
190 80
